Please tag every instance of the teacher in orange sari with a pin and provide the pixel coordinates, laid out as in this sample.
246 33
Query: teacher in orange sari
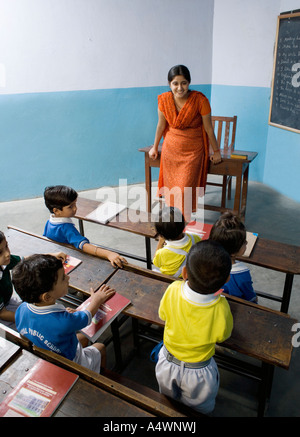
184 120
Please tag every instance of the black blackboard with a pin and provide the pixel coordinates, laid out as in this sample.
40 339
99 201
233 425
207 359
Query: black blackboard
285 97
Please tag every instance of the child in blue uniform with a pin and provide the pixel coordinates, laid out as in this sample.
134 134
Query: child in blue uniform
9 301
40 280
230 231
61 202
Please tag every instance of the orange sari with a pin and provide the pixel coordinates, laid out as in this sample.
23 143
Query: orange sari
185 151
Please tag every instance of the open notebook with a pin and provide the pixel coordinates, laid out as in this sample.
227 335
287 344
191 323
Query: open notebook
105 212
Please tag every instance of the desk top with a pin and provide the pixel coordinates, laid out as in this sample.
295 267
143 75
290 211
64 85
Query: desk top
269 338
137 222
266 253
92 272
83 400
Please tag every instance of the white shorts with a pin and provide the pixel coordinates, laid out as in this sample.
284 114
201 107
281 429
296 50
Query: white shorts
89 357
194 387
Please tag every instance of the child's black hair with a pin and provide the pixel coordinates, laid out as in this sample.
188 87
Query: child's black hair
208 266
170 223
58 196
35 275
230 231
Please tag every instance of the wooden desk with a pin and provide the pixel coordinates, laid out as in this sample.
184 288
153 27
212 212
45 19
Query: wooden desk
94 394
230 167
268 254
92 272
129 220
83 400
258 332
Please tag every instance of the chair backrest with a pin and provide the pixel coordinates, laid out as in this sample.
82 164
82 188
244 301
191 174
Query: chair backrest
226 136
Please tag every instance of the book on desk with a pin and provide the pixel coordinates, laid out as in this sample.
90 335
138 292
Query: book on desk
104 316
40 392
203 230
71 263
106 212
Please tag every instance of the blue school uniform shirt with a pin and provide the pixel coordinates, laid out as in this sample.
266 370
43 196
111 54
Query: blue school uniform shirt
240 283
63 230
52 327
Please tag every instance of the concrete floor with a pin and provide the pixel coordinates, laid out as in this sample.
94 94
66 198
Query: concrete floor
270 214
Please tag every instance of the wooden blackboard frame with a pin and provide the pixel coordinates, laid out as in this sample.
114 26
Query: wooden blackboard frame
276 73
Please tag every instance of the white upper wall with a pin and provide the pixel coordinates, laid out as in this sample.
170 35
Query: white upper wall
243 42
63 45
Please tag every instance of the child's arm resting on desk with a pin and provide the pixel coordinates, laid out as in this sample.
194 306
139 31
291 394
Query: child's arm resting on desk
115 259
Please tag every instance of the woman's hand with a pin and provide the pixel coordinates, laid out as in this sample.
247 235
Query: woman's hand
153 153
216 157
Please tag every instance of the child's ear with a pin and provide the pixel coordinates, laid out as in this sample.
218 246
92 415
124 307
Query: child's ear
57 212
184 273
45 298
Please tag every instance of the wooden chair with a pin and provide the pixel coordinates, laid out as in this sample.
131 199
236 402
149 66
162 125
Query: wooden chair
225 129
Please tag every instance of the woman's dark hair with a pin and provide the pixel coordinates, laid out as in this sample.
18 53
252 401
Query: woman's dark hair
2 236
170 223
35 275
208 266
59 196
179 70
230 231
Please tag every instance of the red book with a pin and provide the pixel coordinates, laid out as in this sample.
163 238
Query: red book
70 263
202 229
40 392
106 313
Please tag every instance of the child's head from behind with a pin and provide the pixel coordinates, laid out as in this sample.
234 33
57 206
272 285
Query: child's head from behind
37 276
4 251
61 200
170 223
230 231
208 267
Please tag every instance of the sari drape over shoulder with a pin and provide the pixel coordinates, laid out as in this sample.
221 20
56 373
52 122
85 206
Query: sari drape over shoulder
185 151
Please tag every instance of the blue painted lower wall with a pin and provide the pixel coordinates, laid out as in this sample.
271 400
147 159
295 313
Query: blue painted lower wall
277 163
85 139
89 139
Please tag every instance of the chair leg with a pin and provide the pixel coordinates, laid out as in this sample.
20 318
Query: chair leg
224 185
229 188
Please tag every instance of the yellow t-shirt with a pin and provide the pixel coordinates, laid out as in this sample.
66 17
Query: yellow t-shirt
170 258
194 322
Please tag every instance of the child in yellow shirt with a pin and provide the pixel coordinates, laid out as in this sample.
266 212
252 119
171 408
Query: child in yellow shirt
174 244
196 317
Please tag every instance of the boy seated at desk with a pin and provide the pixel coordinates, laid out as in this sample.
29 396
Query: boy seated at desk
173 244
196 318
61 202
40 280
230 231
9 301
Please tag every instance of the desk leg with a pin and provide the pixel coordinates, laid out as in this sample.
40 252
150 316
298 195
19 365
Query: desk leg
81 230
287 290
265 388
237 197
148 253
148 182
244 192
117 343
